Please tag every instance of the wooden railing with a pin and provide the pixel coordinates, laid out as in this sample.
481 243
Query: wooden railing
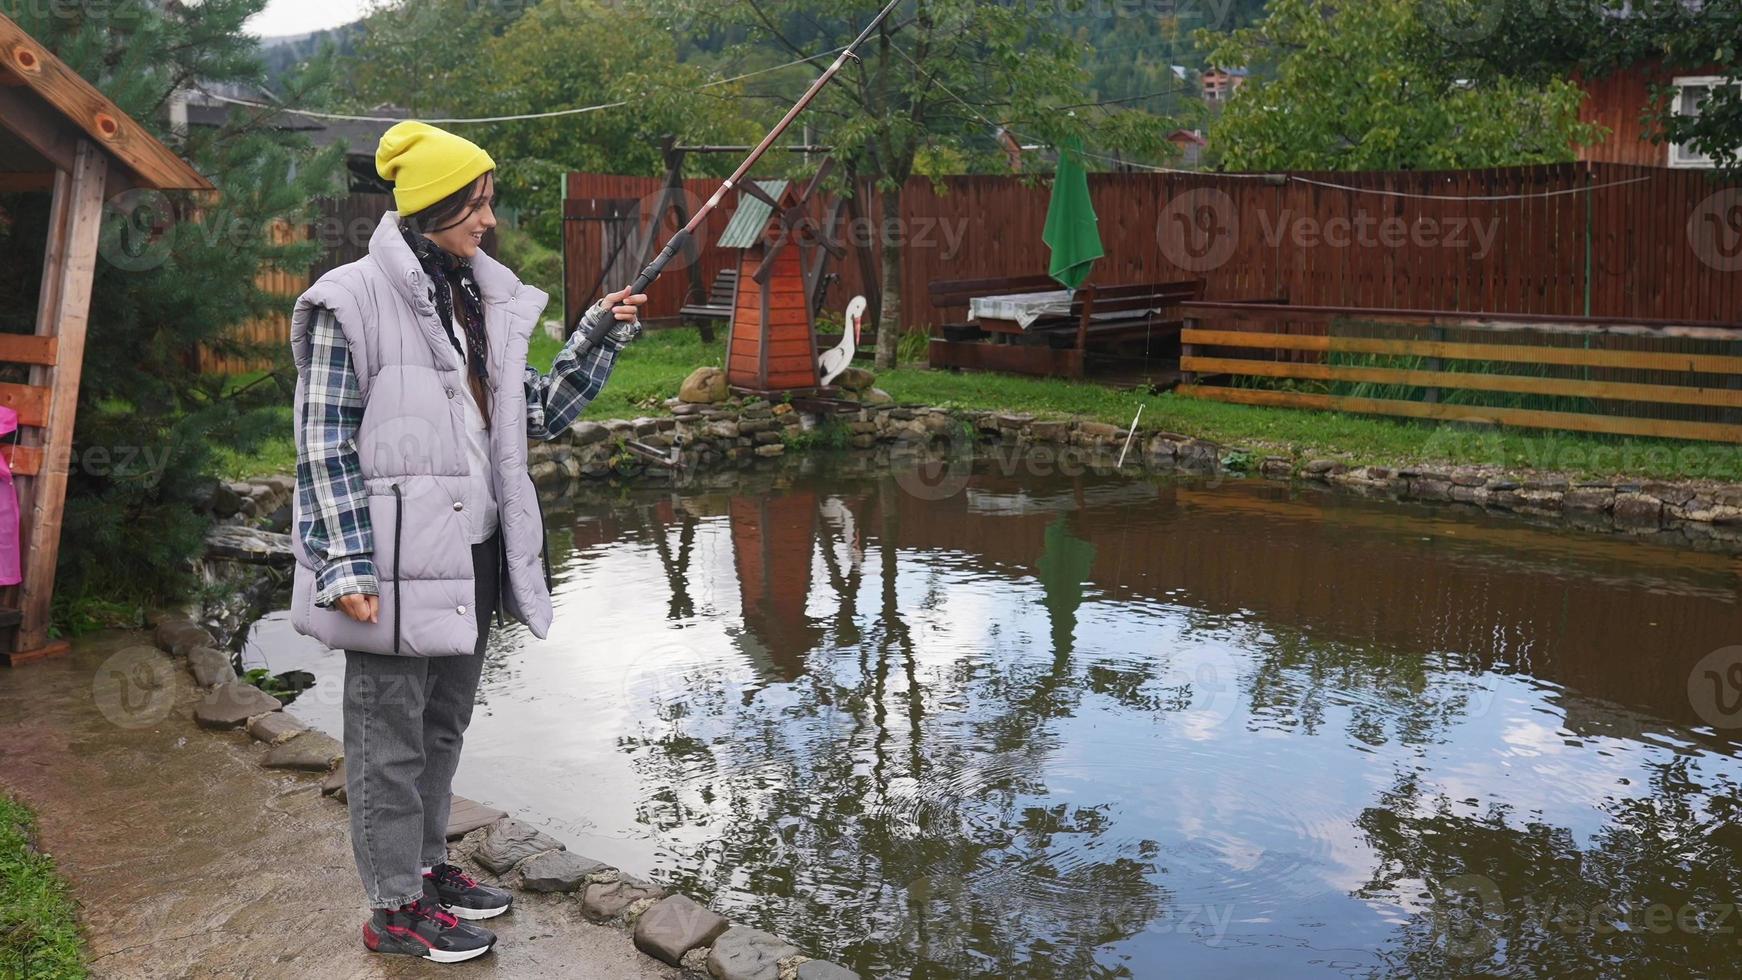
1612 376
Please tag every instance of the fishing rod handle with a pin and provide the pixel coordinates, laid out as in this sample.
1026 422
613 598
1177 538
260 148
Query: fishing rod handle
598 321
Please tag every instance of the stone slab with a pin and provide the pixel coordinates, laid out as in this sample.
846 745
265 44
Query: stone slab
605 901
234 542
179 635
558 871
210 666
275 727
509 842
675 925
742 953
231 705
465 816
305 752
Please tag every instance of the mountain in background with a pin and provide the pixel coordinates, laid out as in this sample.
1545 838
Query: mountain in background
283 53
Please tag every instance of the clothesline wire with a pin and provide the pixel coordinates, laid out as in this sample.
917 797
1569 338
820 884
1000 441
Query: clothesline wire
454 121
1150 168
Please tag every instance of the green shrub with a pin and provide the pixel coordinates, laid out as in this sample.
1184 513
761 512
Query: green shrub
533 262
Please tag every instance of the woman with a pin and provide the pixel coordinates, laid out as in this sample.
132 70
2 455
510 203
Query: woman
415 518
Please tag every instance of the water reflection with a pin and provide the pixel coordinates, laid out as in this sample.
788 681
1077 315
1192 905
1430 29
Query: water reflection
1130 728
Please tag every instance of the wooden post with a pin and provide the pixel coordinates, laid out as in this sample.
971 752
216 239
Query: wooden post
1088 294
69 265
1185 353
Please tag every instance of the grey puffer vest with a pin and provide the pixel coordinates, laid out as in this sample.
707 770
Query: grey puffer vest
412 449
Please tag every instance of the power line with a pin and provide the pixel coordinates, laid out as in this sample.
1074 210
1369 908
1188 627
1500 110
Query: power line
313 114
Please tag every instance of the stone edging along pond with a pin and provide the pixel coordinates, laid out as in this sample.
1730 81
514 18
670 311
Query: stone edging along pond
735 433
663 924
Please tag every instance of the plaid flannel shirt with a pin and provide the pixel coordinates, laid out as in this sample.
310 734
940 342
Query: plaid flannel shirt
335 526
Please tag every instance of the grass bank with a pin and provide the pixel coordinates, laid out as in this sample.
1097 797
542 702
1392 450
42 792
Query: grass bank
39 934
652 370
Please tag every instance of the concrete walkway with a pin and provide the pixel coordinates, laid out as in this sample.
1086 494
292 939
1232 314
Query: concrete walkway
189 860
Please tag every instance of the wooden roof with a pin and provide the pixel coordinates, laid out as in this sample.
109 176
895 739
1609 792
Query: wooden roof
751 219
46 104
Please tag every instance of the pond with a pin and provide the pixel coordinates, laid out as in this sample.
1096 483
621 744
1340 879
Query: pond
1104 726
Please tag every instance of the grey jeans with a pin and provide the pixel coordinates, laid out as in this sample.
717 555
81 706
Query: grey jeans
405 719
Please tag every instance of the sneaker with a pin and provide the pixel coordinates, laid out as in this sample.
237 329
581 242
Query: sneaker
460 894
423 929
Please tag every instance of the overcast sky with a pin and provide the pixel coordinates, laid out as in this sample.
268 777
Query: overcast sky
301 16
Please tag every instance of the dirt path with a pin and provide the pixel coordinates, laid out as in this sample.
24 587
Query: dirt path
189 860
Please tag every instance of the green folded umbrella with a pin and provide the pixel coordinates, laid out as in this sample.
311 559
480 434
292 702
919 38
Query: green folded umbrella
1072 230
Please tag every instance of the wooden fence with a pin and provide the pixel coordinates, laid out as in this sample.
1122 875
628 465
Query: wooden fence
1584 239
273 328
342 229
1604 375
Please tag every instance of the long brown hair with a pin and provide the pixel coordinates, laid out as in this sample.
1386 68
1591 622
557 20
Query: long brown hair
440 216
450 210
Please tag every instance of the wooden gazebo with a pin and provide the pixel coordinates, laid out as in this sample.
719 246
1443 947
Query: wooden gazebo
60 136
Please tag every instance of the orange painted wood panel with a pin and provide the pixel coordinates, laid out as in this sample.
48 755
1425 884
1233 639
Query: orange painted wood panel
789 347
29 401
25 460
25 348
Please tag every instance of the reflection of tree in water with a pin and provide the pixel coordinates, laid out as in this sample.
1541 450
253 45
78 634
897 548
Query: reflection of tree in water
898 854
1652 894
1389 694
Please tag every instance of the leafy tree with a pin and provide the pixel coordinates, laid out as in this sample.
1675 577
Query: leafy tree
177 272
938 77
1369 86
1534 40
462 58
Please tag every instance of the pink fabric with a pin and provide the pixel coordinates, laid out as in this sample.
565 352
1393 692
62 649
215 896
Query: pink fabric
11 566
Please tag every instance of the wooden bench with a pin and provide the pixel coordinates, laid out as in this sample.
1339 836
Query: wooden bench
1140 302
718 305
1057 345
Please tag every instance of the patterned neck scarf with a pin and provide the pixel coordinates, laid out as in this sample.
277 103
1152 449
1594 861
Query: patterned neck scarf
448 271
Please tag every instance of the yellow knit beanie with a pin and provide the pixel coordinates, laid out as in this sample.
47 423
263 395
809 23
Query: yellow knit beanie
427 164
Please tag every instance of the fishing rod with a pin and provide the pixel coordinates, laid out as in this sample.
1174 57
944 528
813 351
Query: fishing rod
599 320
